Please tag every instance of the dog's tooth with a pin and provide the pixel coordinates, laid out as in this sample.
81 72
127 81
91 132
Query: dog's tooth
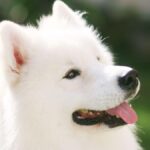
117 116
91 113
98 113
80 117
130 105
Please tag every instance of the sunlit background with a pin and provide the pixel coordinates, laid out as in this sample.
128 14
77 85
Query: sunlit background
125 26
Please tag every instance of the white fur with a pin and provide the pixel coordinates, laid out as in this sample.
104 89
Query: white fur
36 103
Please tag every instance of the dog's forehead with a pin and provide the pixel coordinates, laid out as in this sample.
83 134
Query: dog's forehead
72 46
72 52
72 43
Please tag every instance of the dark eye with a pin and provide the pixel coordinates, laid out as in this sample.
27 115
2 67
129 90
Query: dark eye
71 74
98 58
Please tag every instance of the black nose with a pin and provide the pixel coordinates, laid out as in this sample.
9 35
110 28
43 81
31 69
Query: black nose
129 81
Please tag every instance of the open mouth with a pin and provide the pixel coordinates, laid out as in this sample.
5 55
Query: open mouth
117 116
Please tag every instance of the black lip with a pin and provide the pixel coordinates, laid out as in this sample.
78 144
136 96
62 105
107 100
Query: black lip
111 121
87 121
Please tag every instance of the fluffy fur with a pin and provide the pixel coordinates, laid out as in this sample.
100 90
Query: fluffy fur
37 103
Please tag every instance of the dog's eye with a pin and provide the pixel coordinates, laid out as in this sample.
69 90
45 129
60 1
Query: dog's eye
98 58
71 74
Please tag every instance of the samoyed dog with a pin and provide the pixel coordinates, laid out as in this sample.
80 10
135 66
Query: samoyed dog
60 89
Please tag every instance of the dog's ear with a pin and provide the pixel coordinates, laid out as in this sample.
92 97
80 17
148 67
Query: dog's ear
62 11
13 39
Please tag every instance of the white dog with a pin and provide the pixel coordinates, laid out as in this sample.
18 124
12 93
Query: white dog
60 89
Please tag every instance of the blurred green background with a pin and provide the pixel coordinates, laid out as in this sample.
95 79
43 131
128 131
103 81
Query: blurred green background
125 26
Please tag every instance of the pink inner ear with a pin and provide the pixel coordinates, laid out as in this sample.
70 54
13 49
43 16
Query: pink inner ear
18 57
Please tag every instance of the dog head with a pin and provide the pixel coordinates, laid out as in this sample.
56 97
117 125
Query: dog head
62 70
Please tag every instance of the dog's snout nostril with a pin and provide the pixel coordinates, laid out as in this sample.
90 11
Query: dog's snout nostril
129 81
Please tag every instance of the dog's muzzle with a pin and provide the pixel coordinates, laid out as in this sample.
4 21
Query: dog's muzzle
117 116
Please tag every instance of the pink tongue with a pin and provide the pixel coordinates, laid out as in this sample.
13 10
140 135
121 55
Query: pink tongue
125 112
